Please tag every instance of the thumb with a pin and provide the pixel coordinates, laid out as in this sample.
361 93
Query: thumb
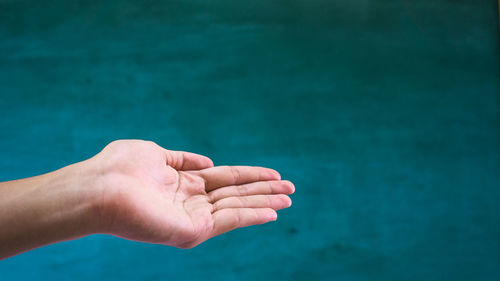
181 160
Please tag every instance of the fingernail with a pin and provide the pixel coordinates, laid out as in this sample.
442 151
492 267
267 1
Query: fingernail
274 216
275 174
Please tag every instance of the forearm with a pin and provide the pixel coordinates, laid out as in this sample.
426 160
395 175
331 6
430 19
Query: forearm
46 209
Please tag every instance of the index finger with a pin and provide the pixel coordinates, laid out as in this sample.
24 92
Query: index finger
221 176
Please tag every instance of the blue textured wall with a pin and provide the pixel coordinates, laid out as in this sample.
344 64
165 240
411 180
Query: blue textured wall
384 113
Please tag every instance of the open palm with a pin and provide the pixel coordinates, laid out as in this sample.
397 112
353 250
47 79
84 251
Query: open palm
155 195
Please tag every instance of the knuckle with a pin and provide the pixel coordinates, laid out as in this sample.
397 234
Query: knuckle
237 219
243 190
235 173
269 200
270 188
216 206
242 201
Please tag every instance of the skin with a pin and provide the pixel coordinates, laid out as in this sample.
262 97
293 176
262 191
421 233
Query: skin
139 191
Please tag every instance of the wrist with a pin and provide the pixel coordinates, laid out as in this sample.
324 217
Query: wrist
82 181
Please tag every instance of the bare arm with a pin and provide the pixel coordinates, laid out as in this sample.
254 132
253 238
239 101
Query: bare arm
45 209
139 191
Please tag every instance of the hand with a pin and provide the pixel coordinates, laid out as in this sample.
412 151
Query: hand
150 194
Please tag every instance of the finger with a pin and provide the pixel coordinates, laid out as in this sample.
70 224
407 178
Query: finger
261 187
273 201
221 176
228 219
181 160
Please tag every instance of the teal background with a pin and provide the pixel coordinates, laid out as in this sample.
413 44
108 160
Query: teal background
385 114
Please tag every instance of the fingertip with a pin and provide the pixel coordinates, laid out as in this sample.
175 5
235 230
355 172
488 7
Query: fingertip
280 201
267 214
193 161
276 175
288 201
290 187
208 162
273 215
270 174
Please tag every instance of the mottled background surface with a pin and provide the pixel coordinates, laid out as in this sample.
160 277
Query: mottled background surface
385 114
